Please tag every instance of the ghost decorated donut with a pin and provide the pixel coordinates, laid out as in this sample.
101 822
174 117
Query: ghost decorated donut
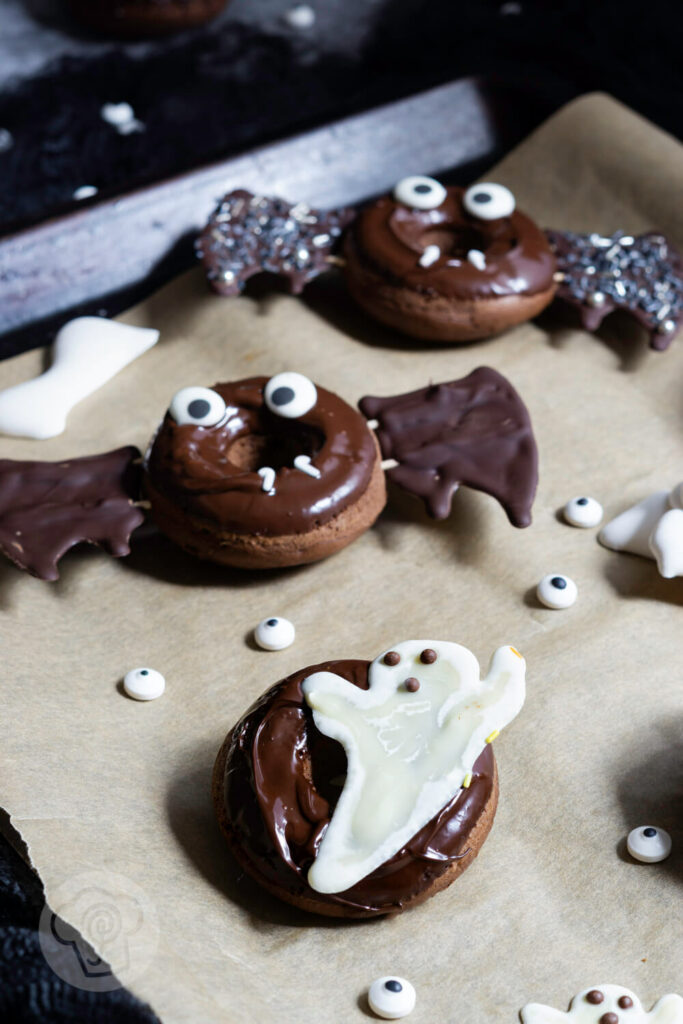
357 789
607 1004
447 264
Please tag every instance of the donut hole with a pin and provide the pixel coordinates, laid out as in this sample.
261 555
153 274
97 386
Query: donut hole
277 449
326 769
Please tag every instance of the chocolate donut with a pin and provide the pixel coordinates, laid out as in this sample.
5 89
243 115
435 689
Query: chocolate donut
281 779
144 17
262 473
274 794
447 264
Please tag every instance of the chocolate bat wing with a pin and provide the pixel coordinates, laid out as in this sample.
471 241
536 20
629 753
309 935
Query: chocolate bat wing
248 234
474 431
48 507
642 275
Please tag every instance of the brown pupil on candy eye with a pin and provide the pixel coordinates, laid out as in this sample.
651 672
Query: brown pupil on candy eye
482 197
423 189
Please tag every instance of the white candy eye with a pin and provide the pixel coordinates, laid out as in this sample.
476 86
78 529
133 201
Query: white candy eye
200 407
556 591
584 512
290 395
391 997
649 844
274 634
489 201
144 684
420 192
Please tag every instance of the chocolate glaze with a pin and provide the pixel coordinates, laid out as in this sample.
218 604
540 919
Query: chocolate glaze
199 468
280 794
48 507
474 431
248 234
391 237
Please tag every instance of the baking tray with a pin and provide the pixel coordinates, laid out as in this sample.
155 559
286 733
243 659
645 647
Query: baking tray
110 254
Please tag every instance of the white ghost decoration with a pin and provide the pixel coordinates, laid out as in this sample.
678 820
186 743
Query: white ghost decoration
87 352
652 528
612 1001
411 741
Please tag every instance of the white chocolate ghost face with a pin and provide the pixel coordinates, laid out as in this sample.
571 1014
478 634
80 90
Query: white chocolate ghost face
411 740
607 1004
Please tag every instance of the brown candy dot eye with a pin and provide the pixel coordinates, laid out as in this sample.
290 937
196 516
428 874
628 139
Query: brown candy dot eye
392 658
412 684
428 656
625 1002
609 1018
595 996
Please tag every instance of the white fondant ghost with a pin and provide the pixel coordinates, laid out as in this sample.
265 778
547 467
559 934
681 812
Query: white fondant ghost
652 528
669 1009
408 753
87 352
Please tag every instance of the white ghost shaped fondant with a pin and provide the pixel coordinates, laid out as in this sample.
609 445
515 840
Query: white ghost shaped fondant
652 528
411 741
87 352
611 1001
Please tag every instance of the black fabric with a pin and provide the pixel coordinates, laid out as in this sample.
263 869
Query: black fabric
30 992
222 89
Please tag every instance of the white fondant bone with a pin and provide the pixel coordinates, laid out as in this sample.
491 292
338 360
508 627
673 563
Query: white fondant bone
87 352
407 753
669 1009
652 528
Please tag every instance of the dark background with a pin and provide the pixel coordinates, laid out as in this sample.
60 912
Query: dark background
247 79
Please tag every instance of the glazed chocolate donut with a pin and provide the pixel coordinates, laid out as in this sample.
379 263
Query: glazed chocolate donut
448 264
263 473
276 789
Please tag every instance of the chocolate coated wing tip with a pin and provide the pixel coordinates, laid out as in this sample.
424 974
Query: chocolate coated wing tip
474 431
46 508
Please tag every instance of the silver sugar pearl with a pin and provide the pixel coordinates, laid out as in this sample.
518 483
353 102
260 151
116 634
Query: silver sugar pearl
596 299
667 327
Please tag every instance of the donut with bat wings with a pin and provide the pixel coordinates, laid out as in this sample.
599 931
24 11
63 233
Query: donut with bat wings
272 472
447 264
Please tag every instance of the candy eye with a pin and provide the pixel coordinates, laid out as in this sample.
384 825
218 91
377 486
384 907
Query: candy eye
420 192
489 201
274 634
290 395
391 997
556 591
200 407
144 684
584 512
649 844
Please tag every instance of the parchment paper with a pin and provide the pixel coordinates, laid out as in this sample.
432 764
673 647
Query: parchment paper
552 904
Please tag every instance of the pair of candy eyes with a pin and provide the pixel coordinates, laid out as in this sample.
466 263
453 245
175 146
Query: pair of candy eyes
487 201
286 394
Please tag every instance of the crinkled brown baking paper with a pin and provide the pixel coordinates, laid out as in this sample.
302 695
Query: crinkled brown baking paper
94 780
